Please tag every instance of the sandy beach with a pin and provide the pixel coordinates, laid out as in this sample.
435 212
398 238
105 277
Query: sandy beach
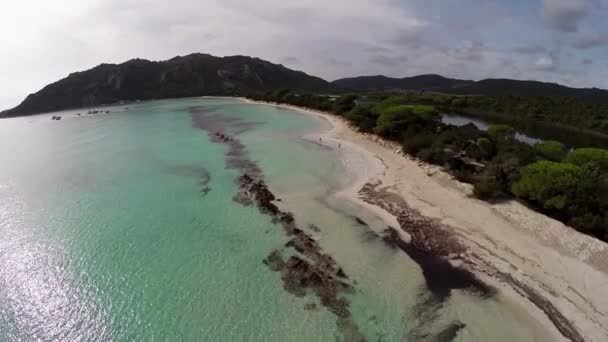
555 273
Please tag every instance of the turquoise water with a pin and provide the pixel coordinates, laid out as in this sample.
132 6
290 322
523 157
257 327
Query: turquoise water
105 235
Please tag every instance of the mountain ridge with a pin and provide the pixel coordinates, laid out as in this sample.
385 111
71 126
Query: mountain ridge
182 76
488 86
200 74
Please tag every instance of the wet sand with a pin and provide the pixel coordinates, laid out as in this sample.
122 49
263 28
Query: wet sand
555 273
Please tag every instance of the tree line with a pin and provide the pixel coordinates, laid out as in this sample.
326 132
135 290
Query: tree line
566 111
568 185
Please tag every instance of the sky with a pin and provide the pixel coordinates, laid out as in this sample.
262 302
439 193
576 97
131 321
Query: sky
563 41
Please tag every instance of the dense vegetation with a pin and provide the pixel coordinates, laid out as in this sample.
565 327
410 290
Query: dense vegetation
553 110
558 110
529 100
488 87
571 186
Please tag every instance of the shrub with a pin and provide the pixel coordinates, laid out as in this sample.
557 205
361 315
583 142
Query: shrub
501 132
363 117
551 185
582 156
424 111
486 148
551 150
344 104
393 120
487 186
413 144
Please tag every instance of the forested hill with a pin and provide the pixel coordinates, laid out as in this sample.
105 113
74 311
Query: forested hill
492 87
381 83
138 79
203 74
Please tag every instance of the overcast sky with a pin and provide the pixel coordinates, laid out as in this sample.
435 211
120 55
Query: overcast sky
564 41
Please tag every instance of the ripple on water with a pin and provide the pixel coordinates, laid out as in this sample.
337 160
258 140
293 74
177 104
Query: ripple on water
40 297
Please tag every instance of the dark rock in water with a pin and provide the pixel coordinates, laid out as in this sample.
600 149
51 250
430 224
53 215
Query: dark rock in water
391 237
314 228
369 235
450 333
55 117
275 261
310 270
431 246
427 235
205 191
440 275
361 222
300 274
310 306
256 190
303 243
286 218
350 330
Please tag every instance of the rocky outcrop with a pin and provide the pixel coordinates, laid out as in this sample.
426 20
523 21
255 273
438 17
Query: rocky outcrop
310 270
307 269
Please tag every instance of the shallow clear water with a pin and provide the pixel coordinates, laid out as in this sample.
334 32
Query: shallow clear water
106 235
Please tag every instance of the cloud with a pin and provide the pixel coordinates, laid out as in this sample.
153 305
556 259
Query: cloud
470 39
531 48
546 63
377 49
338 63
470 50
388 61
565 15
290 60
590 40
408 38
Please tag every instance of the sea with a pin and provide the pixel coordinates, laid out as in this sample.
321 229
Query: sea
123 226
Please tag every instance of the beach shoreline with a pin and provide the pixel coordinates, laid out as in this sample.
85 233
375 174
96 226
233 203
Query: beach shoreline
554 272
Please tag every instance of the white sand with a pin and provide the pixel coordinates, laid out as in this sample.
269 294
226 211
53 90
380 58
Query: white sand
565 267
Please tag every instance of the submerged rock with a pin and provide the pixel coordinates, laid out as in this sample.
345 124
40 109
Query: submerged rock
303 243
310 306
310 270
275 261
361 222
450 333
314 228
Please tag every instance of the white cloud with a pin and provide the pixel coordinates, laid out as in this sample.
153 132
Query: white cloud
587 40
565 15
43 41
546 63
